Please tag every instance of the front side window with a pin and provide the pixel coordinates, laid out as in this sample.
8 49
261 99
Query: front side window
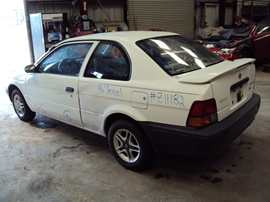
66 60
178 55
109 61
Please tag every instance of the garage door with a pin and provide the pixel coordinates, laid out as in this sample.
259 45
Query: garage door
172 15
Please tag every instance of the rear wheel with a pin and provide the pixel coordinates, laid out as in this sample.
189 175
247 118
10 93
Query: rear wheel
129 145
20 106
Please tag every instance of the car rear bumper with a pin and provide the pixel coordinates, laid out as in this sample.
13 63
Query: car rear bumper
203 142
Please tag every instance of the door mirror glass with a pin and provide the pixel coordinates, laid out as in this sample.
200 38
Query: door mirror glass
30 68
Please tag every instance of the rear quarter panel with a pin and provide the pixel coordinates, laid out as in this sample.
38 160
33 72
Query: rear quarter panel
159 102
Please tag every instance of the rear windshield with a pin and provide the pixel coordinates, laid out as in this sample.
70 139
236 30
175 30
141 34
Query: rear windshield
178 55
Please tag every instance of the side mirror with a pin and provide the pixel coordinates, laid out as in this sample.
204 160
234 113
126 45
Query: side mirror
30 68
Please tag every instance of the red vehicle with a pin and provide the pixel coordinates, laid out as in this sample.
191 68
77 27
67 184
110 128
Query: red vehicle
242 42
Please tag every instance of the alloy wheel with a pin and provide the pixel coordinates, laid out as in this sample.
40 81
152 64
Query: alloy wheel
19 106
126 145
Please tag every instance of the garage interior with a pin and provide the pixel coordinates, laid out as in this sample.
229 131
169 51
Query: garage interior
46 160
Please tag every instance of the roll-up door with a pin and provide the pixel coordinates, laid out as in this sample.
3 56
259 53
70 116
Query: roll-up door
170 15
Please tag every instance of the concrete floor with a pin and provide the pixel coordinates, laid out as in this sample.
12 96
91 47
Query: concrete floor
46 160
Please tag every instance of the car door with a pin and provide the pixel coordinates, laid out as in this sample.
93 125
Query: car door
53 89
261 40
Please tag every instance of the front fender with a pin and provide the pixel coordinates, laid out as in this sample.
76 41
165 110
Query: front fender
17 82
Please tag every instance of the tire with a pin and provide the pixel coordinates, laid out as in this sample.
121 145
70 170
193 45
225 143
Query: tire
129 145
20 107
245 53
266 67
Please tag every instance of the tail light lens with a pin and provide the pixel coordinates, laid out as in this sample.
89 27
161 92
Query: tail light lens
202 113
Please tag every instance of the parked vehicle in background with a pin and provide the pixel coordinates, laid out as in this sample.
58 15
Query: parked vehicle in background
252 41
144 91
54 36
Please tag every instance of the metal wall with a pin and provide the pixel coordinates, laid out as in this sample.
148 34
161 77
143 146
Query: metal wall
200 12
57 8
172 15
94 11
254 10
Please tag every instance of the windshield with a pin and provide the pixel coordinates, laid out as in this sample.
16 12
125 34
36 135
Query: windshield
177 54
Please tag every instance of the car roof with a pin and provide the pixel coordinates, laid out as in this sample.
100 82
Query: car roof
131 36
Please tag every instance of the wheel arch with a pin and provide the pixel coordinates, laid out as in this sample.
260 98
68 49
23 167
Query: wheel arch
243 47
20 105
117 116
11 88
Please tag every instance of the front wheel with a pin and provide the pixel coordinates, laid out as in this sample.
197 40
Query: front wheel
129 145
20 106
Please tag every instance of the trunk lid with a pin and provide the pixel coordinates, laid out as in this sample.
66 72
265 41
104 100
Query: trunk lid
232 83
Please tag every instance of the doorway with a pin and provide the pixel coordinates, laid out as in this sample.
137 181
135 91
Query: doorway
15 50
212 15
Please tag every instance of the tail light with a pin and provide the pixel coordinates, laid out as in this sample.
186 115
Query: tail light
202 113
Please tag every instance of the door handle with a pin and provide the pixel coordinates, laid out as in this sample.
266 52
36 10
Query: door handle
69 89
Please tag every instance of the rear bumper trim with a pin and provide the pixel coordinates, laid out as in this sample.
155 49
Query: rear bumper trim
202 142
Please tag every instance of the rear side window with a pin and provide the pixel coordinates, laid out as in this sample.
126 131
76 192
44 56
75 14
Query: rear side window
109 61
178 55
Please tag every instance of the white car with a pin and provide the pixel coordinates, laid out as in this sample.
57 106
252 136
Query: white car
146 92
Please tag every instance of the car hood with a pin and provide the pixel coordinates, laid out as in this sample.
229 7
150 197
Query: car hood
227 38
242 32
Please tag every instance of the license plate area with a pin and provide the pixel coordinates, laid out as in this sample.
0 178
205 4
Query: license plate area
237 90
237 95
